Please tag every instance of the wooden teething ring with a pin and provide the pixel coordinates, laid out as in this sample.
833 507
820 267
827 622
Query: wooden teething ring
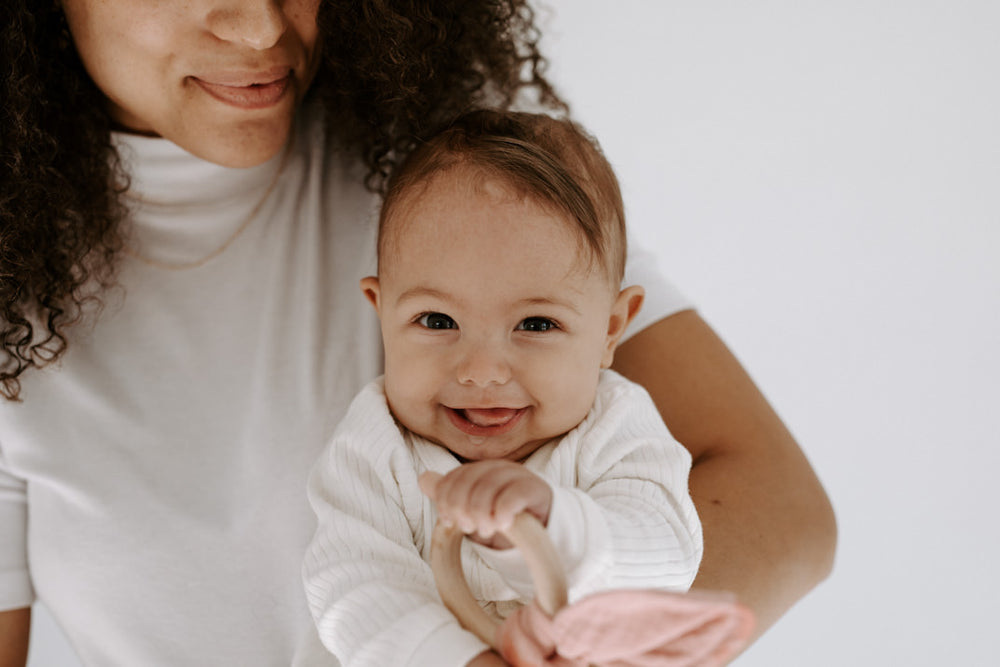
528 535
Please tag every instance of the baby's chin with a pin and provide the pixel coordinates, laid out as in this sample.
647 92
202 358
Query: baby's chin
479 448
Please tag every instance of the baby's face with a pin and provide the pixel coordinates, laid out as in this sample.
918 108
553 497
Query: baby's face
494 322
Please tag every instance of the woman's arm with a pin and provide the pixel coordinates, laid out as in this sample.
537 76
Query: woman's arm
769 529
14 631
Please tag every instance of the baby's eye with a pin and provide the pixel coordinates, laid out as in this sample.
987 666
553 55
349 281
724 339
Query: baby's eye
436 321
537 324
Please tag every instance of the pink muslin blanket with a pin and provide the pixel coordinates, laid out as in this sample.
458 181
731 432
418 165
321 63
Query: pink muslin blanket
636 628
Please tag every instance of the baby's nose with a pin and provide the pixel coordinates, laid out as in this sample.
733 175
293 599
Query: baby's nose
484 365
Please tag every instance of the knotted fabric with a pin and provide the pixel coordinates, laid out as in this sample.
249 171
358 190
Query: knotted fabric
629 628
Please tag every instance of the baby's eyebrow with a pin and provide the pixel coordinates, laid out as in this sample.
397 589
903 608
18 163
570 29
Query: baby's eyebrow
423 292
546 301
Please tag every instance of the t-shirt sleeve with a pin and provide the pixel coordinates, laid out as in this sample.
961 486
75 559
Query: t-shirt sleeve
15 580
662 297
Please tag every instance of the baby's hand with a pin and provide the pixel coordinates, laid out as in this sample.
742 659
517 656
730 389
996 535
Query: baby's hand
483 497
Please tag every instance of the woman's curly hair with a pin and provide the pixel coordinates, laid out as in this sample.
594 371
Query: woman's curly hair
392 72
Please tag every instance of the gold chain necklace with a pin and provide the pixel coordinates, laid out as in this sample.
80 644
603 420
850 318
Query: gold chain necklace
201 261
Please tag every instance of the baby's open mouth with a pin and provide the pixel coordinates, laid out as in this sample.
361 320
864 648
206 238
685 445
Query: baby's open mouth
485 421
488 416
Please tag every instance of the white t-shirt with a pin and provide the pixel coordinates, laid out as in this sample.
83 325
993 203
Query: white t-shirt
152 483
621 517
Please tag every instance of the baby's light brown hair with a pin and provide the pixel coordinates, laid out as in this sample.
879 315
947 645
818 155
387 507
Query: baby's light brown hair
550 160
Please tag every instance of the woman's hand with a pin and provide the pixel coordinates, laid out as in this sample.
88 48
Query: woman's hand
483 497
770 532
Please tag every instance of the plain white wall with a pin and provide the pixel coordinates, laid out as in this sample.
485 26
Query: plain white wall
823 179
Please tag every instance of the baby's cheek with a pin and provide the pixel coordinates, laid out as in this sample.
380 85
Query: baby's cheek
571 399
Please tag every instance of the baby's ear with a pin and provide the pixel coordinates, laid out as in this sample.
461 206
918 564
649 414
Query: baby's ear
371 290
623 311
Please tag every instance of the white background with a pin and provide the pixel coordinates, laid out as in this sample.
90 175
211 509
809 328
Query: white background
823 179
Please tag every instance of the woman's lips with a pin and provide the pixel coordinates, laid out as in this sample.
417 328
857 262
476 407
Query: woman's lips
485 421
245 93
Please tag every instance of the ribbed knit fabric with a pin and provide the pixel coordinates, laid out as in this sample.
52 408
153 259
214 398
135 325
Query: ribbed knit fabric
621 518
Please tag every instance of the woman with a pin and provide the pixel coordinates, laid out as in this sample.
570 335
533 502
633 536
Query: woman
180 243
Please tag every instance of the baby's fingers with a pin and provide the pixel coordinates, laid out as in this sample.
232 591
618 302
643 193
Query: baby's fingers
521 494
450 494
484 497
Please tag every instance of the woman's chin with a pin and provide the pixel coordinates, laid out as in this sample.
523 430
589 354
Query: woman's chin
246 147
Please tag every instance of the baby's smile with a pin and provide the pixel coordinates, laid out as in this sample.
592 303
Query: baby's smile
485 421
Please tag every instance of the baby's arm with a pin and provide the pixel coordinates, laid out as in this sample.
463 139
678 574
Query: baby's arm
630 498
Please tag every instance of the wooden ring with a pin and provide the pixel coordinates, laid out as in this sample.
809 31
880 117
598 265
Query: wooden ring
528 535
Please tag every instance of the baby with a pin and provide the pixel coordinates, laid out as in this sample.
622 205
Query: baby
501 256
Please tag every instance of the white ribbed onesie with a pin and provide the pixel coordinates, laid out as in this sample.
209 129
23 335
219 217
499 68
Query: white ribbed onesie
621 518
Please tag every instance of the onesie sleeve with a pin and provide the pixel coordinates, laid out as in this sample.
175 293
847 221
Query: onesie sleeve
662 297
15 580
372 596
632 470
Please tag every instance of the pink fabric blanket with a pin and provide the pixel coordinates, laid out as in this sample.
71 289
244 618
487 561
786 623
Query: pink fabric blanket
635 628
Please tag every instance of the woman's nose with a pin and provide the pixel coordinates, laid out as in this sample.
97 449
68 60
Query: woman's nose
483 365
258 24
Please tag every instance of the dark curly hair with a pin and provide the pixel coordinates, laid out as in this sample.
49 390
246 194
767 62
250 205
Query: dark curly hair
393 71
